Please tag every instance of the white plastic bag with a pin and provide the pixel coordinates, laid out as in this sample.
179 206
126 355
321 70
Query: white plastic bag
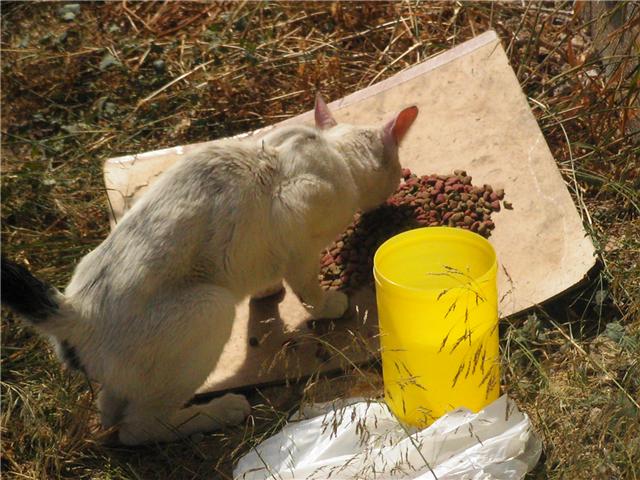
360 439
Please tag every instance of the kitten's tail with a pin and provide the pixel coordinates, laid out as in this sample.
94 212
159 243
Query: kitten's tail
34 299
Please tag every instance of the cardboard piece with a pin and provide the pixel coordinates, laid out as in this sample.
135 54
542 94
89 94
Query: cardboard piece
473 116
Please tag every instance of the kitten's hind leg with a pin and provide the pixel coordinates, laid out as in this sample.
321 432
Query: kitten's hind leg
111 408
144 426
191 326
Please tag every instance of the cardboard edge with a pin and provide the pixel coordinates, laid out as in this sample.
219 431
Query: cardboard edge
426 66
208 395
587 276
401 77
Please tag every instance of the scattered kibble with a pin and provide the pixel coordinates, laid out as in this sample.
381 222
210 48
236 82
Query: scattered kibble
427 201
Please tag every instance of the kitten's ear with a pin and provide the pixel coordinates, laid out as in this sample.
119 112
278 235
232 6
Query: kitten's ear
397 128
324 119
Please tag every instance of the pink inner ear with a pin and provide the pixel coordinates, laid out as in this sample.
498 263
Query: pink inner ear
400 125
324 119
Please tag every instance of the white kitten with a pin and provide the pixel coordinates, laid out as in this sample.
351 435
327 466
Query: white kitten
148 312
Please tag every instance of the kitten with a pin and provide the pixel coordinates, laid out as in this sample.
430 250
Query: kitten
148 312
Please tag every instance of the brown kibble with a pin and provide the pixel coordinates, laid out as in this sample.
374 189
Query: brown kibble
451 181
411 182
420 201
495 206
430 180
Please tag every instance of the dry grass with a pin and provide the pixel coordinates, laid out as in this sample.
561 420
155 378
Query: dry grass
573 366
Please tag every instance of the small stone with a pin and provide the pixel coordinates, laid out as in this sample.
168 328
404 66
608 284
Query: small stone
72 7
159 66
507 205
108 61
24 41
109 108
68 16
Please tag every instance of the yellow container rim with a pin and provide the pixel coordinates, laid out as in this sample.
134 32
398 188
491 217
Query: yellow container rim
427 233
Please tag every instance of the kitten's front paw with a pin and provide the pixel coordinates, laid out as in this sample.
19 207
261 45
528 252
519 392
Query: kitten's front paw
232 408
335 304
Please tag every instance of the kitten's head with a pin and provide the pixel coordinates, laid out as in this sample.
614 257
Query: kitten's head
372 152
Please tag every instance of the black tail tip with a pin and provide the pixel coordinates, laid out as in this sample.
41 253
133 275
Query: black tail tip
26 294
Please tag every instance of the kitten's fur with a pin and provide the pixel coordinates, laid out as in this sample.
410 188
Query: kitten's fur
148 312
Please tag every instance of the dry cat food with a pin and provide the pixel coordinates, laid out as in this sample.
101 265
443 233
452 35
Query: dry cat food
430 200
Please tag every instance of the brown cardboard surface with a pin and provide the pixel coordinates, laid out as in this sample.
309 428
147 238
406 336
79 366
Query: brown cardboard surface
473 116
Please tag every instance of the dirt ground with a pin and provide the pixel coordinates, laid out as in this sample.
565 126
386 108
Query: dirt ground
85 82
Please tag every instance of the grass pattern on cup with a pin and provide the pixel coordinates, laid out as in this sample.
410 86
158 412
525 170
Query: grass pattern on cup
467 287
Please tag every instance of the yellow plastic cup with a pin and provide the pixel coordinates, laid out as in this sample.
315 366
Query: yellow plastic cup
438 313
